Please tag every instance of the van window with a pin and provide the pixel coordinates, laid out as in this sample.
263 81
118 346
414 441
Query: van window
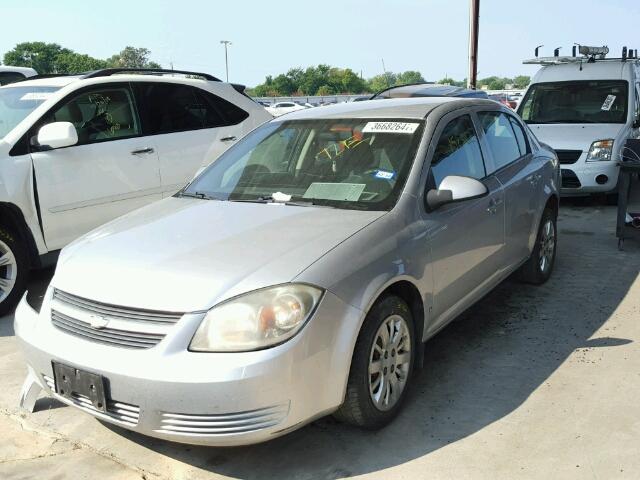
588 101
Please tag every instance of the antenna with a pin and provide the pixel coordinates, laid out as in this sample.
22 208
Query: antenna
538 48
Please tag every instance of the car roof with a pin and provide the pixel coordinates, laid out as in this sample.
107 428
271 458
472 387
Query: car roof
430 90
414 107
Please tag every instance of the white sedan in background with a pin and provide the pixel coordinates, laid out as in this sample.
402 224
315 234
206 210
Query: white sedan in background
281 108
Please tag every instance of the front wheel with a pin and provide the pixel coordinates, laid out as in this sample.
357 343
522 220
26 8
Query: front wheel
381 366
538 268
14 270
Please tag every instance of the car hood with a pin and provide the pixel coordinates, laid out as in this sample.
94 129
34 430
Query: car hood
186 255
574 136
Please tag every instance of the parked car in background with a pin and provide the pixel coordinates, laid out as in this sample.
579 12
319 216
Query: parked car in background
585 108
504 99
78 151
429 90
298 275
10 74
280 108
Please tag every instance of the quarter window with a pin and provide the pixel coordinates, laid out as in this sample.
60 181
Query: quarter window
99 115
457 152
500 137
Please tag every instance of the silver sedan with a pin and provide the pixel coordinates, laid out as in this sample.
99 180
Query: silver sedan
299 275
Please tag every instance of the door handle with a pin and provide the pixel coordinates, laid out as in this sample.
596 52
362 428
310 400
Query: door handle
228 139
142 150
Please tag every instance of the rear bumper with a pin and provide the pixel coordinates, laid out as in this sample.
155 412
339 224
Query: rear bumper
219 399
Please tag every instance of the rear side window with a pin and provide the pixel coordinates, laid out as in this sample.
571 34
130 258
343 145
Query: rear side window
500 137
99 115
170 108
9 77
522 140
457 152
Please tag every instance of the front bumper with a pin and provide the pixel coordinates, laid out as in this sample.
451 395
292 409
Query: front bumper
580 178
220 399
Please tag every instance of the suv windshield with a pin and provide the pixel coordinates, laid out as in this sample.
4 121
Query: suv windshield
593 101
351 163
18 102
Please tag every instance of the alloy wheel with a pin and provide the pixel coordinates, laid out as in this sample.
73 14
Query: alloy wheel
547 245
389 362
8 271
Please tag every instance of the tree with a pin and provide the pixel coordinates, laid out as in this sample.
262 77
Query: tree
382 82
325 90
410 76
72 62
132 57
38 55
521 81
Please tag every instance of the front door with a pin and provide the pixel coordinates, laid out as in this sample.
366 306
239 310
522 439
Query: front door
467 237
110 171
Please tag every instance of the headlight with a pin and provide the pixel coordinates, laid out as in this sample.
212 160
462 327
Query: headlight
600 150
256 320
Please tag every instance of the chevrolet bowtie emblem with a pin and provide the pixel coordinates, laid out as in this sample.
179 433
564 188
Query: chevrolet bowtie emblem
98 322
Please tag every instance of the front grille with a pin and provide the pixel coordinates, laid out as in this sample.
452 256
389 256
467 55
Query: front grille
107 336
570 179
222 424
567 157
121 412
109 324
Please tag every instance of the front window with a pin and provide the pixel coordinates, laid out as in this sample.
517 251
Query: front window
589 101
352 164
18 102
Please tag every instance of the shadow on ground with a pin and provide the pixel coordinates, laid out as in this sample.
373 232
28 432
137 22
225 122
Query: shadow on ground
478 370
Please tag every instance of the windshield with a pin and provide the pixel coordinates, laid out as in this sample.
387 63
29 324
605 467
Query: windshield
18 102
352 164
597 101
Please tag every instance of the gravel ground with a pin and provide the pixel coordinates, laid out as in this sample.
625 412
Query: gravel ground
532 382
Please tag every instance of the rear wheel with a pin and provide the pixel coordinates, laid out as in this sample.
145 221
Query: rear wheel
381 366
14 270
538 268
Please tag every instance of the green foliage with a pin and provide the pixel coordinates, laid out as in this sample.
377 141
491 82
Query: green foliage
451 81
521 81
52 58
132 57
410 76
319 80
495 83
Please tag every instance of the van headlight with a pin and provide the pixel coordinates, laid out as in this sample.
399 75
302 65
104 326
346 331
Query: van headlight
256 320
600 150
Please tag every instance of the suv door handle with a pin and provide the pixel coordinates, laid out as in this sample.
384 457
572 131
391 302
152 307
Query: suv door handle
228 139
142 150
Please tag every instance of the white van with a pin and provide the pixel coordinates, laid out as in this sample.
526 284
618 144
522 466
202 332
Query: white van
78 151
585 107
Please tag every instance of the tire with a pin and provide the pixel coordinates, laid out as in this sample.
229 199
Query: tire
14 270
538 268
360 408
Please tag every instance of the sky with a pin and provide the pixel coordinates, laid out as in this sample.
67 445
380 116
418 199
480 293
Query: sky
269 37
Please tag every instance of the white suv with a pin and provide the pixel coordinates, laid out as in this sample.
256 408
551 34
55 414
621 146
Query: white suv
79 151
10 74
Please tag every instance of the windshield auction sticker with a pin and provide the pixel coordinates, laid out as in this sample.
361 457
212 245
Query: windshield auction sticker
608 102
390 127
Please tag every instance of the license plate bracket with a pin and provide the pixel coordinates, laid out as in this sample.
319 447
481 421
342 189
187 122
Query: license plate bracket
72 382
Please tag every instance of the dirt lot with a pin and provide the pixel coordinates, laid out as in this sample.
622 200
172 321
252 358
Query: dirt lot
531 383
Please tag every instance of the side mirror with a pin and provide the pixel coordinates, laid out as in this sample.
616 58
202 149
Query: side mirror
57 135
455 188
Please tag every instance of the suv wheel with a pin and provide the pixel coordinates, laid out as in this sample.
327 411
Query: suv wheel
14 270
381 366
538 268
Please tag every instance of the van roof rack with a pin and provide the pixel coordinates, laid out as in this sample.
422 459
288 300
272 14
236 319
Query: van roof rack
107 72
588 55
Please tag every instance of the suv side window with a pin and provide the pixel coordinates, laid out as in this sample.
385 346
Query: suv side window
500 137
107 113
457 152
218 112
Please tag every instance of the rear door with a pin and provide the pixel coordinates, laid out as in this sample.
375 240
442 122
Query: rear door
467 237
515 168
190 127
110 171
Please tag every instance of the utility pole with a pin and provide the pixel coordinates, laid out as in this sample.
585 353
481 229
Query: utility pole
474 24
226 43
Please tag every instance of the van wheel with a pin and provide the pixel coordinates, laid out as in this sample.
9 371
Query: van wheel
538 268
14 270
381 366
